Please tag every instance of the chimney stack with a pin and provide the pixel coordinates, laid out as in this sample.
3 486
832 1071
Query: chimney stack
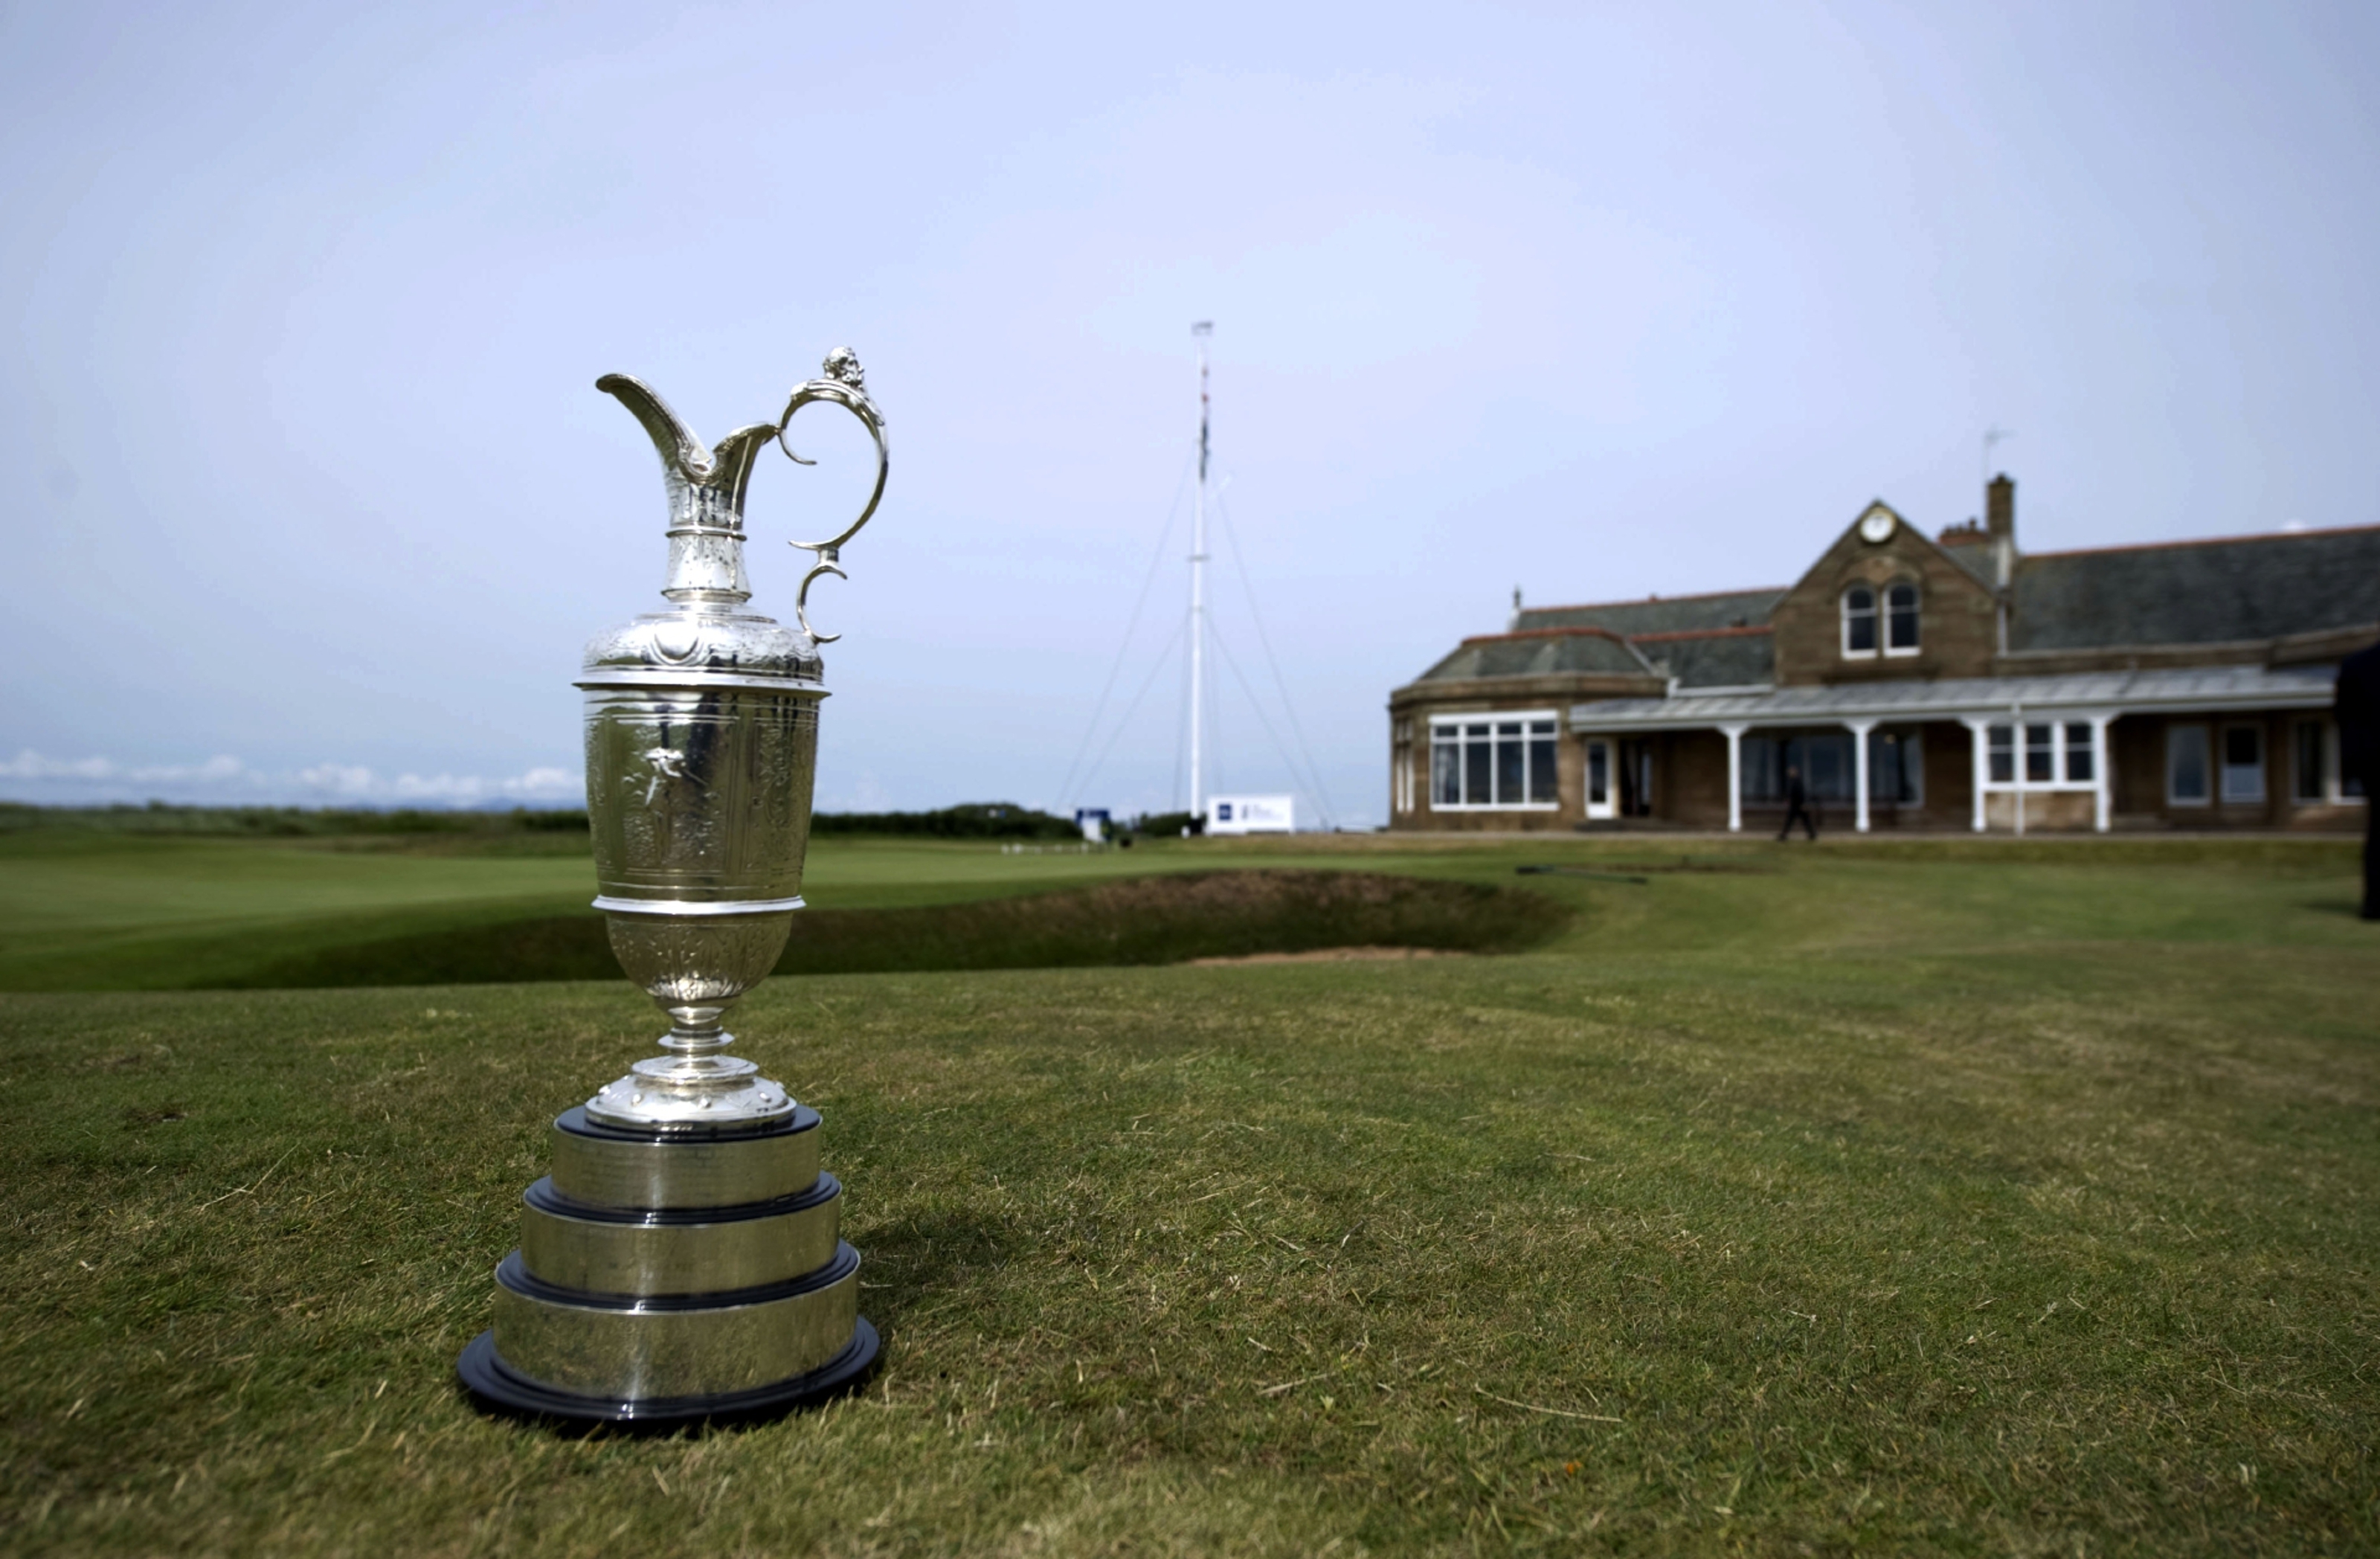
2000 523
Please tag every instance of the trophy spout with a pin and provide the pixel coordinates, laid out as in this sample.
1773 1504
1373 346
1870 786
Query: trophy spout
705 489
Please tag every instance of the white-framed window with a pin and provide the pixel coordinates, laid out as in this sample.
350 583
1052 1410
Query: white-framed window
1502 762
2243 763
1901 619
2187 780
2041 755
2080 766
1858 621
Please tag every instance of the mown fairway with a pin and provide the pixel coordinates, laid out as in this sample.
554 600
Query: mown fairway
1936 1197
103 910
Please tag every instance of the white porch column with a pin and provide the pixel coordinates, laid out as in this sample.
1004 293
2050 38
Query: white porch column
1975 728
2102 780
1859 730
1734 734
2020 760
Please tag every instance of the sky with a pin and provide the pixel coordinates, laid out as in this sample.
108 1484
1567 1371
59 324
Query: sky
306 496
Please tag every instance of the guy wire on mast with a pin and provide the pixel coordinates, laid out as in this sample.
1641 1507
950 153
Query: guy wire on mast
1197 737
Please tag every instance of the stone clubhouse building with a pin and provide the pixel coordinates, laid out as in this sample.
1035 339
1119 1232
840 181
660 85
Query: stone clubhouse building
1917 682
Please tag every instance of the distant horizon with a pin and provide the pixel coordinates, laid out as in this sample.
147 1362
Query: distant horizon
502 808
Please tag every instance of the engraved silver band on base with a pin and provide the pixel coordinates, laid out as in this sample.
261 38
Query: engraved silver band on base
647 1171
647 1255
689 1345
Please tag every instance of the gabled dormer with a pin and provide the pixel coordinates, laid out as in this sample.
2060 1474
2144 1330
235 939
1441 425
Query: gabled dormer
1885 601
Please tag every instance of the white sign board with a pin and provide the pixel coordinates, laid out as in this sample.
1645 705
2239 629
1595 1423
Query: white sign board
1250 814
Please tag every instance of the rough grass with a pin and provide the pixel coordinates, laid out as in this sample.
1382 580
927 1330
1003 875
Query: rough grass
1894 1204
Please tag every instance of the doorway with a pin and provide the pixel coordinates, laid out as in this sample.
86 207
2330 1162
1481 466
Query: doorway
1599 806
1635 778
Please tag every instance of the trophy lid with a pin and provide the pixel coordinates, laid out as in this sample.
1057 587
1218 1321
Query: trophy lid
706 638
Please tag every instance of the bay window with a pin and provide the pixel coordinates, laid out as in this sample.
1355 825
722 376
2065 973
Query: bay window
1498 761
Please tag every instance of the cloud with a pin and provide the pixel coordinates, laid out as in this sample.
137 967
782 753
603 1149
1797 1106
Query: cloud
35 776
337 779
219 770
545 784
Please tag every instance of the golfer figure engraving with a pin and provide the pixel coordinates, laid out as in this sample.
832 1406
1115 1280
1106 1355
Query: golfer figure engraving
684 1260
666 765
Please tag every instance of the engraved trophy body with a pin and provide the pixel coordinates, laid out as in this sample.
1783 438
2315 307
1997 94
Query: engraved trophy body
684 1260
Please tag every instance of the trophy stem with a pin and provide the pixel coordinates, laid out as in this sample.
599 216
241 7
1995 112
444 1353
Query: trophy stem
696 1031
694 1083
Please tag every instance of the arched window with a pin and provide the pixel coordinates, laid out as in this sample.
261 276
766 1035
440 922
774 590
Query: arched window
1900 619
1859 620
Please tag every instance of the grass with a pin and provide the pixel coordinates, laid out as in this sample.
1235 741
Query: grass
1937 1198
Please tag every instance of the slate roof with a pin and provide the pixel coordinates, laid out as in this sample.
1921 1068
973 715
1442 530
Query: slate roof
1676 613
1720 658
1539 652
2169 593
2197 592
1975 558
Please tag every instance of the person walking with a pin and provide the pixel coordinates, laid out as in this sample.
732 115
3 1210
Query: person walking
1797 805
2358 712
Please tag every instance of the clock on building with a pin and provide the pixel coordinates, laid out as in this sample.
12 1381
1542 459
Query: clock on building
1876 524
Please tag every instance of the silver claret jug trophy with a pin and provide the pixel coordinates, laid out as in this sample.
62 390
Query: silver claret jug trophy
684 1262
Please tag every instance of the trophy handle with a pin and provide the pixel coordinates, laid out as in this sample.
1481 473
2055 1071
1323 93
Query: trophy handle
843 385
